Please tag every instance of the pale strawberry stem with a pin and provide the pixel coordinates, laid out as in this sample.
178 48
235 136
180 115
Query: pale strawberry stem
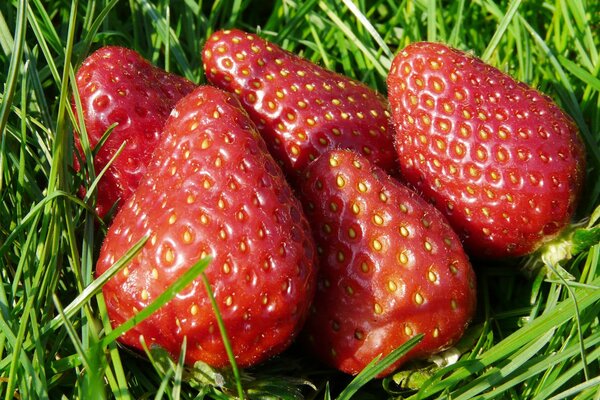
574 240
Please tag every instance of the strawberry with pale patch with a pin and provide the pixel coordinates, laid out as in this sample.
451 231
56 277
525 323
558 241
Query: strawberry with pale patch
390 266
116 85
502 161
300 108
212 189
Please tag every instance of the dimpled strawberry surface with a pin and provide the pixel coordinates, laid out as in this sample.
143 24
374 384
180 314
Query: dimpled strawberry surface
300 108
501 160
117 86
212 189
391 267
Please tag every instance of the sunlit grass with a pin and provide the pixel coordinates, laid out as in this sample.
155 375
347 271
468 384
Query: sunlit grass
536 336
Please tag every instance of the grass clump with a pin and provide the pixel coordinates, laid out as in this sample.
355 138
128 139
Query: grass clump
535 337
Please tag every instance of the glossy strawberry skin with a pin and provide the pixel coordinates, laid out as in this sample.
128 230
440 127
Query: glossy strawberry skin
116 85
390 266
499 158
300 108
213 189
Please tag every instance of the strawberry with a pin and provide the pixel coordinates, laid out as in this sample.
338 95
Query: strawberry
500 159
116 85
391 266
300 108
212 189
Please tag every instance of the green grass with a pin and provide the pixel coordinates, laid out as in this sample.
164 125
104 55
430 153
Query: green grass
536 335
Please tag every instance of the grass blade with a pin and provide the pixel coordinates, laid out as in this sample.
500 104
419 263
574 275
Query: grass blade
377 366
224 337
95 288
538 327
185 279
11 81
504 22
49 237
593 383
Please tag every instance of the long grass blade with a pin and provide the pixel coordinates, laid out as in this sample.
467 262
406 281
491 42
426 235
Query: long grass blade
185 279
589 384
224 337
506 20
377 366
11 82
50 236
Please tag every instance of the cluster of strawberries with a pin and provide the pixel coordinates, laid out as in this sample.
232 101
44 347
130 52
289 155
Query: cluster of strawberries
328 213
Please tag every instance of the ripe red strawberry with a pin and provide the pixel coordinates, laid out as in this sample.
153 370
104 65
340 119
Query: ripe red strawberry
213 189
300 108
499 158
116 85
391 266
